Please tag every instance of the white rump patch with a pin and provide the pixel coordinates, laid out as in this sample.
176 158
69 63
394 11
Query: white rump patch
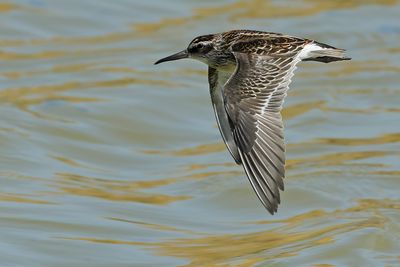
308 49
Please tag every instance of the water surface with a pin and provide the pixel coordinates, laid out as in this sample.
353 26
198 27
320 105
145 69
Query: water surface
108 160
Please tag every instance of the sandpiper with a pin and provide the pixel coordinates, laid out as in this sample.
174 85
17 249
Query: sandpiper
249 73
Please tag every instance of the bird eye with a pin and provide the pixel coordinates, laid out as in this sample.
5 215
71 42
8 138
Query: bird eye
200 48
196 48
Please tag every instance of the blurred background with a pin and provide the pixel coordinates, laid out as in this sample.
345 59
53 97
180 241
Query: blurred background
108 160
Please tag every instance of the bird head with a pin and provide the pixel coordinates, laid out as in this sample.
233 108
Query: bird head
200 48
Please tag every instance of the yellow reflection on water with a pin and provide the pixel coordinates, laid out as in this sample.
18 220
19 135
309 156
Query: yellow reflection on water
6 7
330 159
270 9
242 9
21 199
85 40
24 97
255 9
290 237
70 68
293 111
67 161
283 241
155 226
389 173
193 167
378 140
40 55
74 163
191 151
121 190
56 54
393 49
116 190
339 158
354 67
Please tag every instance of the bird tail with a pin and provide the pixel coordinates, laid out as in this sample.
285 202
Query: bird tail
325 53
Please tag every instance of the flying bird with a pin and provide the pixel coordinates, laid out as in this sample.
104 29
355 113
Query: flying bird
249 73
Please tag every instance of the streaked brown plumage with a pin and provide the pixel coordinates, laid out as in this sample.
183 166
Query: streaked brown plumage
249 74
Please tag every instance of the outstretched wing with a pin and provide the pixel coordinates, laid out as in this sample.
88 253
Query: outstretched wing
253 100
216 82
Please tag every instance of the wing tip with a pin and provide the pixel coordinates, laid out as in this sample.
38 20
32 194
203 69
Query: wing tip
272 210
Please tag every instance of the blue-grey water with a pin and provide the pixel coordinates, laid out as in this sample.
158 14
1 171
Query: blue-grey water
108 160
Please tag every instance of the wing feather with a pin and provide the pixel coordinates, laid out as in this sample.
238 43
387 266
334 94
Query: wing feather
221 116
253 98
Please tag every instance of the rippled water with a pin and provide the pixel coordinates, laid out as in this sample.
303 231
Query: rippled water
107 160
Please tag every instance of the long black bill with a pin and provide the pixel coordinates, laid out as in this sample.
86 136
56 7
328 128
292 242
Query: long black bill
179 55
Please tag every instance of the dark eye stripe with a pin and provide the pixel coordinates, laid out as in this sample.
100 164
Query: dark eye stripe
200 47
196 48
